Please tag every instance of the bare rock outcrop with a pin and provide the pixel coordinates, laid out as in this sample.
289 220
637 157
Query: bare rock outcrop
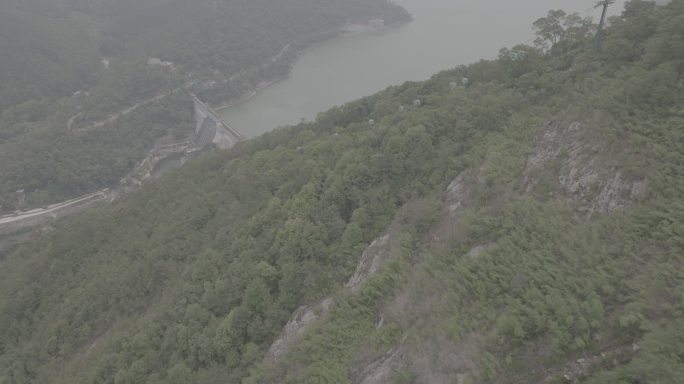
383 368
582 169
371 260
375 255
432 360
294 328
435 360
566 159
456 194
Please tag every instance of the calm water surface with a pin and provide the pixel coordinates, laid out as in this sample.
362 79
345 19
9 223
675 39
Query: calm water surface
444 34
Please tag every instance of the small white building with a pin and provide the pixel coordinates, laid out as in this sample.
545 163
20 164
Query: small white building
80 95
156 62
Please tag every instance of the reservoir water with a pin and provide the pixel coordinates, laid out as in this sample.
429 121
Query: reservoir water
443 34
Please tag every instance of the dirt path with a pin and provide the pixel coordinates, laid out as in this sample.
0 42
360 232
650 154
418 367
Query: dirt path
116 116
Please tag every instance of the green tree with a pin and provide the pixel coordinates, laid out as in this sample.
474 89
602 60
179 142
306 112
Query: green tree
560 28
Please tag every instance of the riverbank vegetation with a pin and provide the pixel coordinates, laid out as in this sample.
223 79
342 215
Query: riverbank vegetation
538 278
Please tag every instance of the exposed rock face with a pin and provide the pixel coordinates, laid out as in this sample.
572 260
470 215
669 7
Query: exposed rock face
372 259
480 249
456 194
563 161
436 360
582 169
381 370
370 262
294 329
577 370
577 168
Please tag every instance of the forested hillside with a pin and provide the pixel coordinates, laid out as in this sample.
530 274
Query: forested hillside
66 65
45 52
51 47
529 228
227 35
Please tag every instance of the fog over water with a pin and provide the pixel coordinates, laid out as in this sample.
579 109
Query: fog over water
443 34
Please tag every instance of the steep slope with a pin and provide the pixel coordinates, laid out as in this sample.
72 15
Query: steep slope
527 228
558 255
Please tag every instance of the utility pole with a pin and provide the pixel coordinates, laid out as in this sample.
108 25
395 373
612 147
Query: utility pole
599 33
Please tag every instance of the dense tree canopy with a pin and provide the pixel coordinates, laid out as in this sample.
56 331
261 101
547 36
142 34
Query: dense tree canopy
190 279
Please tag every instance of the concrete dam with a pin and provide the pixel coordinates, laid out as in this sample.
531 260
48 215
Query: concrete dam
212 129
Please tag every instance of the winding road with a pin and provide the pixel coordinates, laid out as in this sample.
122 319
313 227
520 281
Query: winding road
7 222
116 116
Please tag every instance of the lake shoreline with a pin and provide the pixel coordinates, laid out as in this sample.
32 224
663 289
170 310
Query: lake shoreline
348 30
